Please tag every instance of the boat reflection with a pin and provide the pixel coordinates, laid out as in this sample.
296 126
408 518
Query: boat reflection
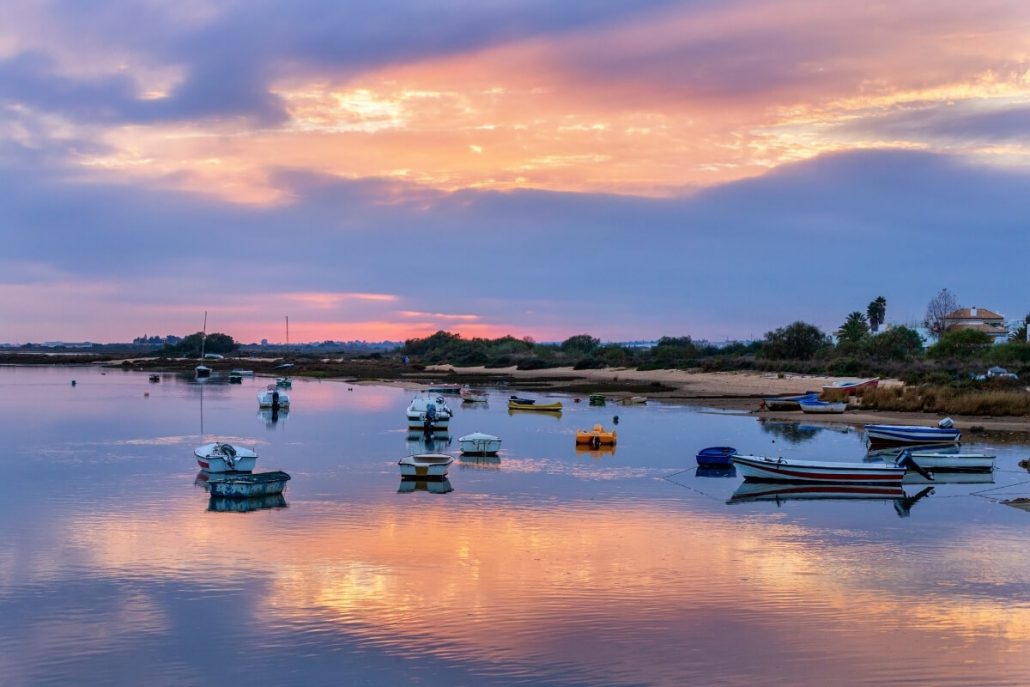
428 442
779 493
598 452
221 504
433 486
479 461
890 454
271 416
716 471
791 432
945 477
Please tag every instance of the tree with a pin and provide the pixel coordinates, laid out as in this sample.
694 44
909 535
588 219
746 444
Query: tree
876 310
961 343
854 330
1018 334
797 341
937 309
897 343
580 343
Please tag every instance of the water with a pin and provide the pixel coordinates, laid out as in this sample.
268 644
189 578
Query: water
551 567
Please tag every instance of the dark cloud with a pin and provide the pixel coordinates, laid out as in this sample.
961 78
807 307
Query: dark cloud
813 241
949 122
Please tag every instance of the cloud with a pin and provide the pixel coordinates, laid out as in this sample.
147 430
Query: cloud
954 123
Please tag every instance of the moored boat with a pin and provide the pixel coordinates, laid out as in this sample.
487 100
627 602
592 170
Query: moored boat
634 400
470 395
242 373
789 402
598 436
597 399
444 388
250 486
155 378
947 460
852 387
273 398
428 413
529 404
760 468
235 378
425 465
913 434
816 406
223 457
284 382
479 444
715 455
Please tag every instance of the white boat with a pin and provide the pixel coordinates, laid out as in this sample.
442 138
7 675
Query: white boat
470 395
946 460
817 406
284 382
479 444
425 465
242 373
203 370
273 397
760 468
429 413
222 457
944 432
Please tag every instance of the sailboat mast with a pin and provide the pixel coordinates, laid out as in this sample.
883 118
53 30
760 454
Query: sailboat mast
203 337
287 334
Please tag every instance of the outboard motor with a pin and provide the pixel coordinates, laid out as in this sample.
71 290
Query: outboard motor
946 423
275 401
905 461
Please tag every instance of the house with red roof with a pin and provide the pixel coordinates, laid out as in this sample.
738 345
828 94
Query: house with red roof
981 319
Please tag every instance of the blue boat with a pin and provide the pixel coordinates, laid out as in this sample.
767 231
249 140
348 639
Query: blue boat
911 434
715 455
789 402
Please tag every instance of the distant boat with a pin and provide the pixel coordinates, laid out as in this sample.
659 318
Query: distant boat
597 399
715 455
634 400
596 437
235 378
273 398
287 381
155 378
222 457
203 370
250 486
470 395
852 387
759 468
515 403
789 402
444 388
428 413
944 432
242 373
479 444
817 406
284 382
425 465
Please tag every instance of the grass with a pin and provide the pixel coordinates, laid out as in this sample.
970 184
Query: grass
948 401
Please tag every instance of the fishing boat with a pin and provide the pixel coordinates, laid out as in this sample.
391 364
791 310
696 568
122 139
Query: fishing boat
715 455
273 398
944 432
760 468
598 436
597 399
479 444
444 388
428 413
425 465
851 388
250 486
222 457
950 461
789 402
470 395
516 403
816 406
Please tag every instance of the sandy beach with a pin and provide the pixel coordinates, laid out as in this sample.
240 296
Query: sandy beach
738 391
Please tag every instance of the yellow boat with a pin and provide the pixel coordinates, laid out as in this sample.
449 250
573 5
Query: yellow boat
539 407
595 437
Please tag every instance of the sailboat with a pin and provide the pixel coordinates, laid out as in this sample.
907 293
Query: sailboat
203 370
286 381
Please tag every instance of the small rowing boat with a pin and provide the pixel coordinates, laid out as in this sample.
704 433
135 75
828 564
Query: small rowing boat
822 407
943 433
596 437
250 486
528 404
760 468
715 455
425 465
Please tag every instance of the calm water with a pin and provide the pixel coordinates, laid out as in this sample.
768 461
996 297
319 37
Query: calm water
551 567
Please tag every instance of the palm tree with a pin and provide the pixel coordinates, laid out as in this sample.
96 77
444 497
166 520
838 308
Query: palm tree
854 329
877 311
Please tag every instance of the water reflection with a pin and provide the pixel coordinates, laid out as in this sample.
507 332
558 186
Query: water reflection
595 453
272 416
433 486
479 461
420 441
781 493
716 471
221 504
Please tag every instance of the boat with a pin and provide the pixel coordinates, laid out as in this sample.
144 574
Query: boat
634 400
598 436
273 398
789 402
428 413
250 486
444 388
944 432
425 465
479 444
155 378
597 399
760 468
235 378
202 370
715 455
515 403
950 461
284 382
470 395
223 457
817 406
851 388
242 373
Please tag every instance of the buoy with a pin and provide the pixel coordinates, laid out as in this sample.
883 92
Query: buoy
146 394
73 382
615 419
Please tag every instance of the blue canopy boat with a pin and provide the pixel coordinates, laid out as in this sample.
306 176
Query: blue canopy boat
715 455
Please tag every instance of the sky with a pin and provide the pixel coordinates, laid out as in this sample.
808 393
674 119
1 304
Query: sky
382 170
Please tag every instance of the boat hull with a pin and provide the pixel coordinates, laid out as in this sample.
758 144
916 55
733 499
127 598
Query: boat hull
212 460
823 408
909 434
715 456
761 469
537 407
479 446
425 466
972 462
250 486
